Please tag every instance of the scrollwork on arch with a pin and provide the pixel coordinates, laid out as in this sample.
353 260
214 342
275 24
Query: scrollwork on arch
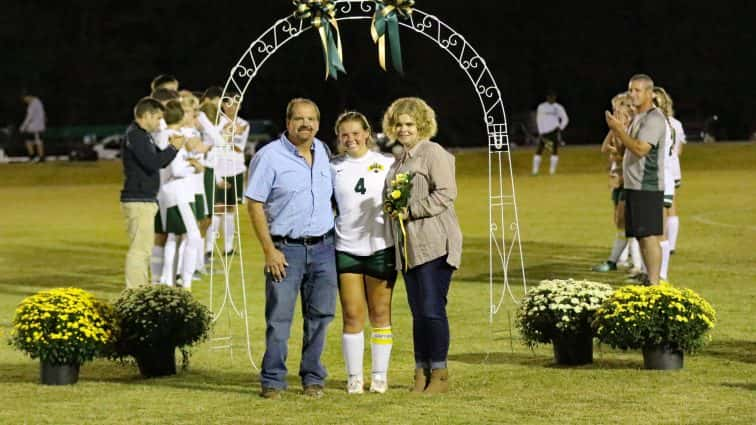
428 25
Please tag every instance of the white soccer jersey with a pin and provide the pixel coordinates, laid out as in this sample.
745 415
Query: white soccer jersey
239 141
197 179
679 141
358 186
551 116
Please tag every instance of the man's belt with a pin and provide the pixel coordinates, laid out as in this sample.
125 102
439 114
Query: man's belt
305 240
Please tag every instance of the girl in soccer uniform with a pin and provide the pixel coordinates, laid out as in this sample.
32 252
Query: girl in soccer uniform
176 200
664 102
364 251
622 107
231 167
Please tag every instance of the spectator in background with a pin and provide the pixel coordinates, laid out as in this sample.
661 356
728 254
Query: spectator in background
552 120
33 127
164 81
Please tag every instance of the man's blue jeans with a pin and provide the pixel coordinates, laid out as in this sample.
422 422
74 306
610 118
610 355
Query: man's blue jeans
312 273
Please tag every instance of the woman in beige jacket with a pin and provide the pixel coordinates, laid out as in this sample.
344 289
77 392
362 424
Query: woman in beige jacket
433 236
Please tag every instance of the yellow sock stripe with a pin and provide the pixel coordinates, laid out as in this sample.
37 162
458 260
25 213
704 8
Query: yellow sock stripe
382 336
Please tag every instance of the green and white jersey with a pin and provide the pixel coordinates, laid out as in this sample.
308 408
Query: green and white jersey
358 183
647 172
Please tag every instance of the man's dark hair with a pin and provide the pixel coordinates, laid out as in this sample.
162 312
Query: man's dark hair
173 113
212 92
147 105
161 79
164 95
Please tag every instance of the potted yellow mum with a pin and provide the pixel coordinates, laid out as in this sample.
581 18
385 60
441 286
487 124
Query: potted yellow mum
662 320
63 328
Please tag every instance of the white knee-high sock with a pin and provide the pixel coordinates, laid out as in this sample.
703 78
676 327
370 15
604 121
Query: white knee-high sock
229 228
553 164
353 346
156 263
192 242
635 254
536 163
380 345
665 259
620 242
673 227
212 233
200 266
625 252
180 256
169 256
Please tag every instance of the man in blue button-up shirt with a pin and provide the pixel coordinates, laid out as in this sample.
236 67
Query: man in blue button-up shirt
289 190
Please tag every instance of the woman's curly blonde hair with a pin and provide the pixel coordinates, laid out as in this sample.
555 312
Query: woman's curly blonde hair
423 115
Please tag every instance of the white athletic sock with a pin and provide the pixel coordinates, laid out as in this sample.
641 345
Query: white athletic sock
212 233
156 263
625 252
620 242
673 226
229 228
180 256
553 164
536 163
353 346
665 260
635 254
193 242
380 345
169 256
200 266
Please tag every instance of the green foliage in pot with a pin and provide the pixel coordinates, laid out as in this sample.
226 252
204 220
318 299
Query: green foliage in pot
159 316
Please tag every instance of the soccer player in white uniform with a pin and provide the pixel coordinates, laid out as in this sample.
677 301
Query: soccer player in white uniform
231 168
176 199
552 119
664 102
364 251
673 221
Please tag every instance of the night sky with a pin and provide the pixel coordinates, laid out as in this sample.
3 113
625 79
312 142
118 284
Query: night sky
90 61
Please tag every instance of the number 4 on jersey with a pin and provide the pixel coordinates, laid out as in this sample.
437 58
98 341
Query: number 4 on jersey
360 186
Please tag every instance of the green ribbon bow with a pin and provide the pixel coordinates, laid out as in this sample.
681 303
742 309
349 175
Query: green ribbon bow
322 16
386 22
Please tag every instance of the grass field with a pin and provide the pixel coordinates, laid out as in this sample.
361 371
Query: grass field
61 226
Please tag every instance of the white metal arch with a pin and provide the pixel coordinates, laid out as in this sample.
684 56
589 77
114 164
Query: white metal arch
504 232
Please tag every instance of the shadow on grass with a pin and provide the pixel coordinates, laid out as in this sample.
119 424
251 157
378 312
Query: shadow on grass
534 359
749 387
734 350
543 260
27 285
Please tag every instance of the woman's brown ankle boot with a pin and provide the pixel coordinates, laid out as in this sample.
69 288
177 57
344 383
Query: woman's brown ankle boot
439 382
422 376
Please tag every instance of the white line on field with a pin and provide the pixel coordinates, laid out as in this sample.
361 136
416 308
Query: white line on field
701 218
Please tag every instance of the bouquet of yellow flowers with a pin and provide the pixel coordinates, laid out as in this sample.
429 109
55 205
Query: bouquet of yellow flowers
395 204
638 317
398 193
63 326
